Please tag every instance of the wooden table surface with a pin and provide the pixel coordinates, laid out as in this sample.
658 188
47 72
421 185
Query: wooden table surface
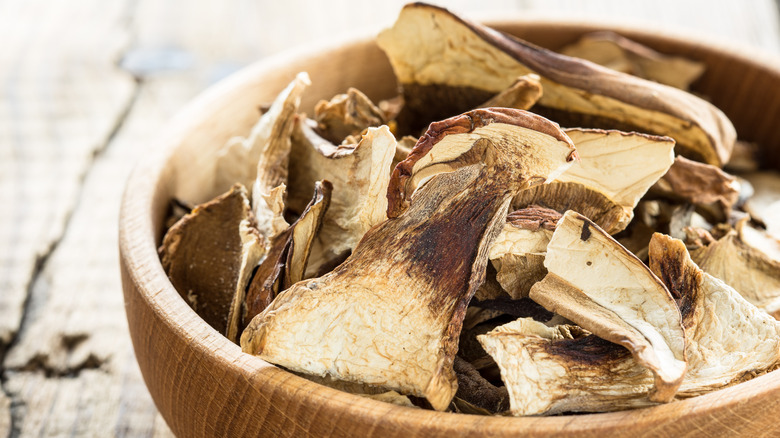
85 86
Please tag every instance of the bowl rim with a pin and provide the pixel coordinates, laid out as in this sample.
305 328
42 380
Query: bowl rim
137 247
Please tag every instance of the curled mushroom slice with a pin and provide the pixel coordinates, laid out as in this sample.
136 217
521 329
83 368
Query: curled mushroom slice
285 262
606 290
551 370
446 64
709 188
390 315
522 94
209 256
518 252
347 114
360 175
748 260
615 171
267 144
622 54
729 338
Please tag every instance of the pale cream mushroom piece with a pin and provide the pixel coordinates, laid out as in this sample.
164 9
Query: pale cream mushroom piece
347 114
747 259
729 339
390 315
360 175
764 205
518 252
596 283
238 160
622 54
615 170
288 254
209 255
447 64
552 370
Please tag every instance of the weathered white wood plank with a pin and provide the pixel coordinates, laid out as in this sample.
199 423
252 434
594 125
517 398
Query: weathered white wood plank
60 99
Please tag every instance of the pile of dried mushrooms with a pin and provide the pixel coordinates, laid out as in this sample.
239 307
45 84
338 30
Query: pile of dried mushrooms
454 248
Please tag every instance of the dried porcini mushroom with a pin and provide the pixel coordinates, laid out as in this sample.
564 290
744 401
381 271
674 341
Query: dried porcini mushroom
475 390
729 339
390 315
615 170
347 114
267 145
748 260
622 54
598 284
285 262
518 252
522 94
360 175
461 140
552 370
446 64
209 255
709 188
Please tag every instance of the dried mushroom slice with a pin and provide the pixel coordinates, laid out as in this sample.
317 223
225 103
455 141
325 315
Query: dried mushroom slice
518 252
466 139
522 94
475 390
552 370
446 64
209 256
622 54
598 284
390 315
730 340
708 187
346 115
285 262
266 145
359 173
615 171
748 260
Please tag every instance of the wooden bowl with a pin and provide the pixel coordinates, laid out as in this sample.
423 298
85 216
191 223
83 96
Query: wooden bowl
205 386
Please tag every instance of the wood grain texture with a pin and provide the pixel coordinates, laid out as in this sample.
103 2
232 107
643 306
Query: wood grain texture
204 386
72 123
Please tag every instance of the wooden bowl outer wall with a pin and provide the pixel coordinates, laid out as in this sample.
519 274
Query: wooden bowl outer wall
204 386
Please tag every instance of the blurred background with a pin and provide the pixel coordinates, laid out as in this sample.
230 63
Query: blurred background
85 88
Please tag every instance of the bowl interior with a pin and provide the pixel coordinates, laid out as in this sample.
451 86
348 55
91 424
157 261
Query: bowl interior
746 89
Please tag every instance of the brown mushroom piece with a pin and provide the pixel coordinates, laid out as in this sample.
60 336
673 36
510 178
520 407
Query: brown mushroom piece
709 188
728 341
285 262
522 94
598 284
615 170
518 252
347 114
747 259
390 315
552 370
360 175
267 144
209 256
622 54
447 64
